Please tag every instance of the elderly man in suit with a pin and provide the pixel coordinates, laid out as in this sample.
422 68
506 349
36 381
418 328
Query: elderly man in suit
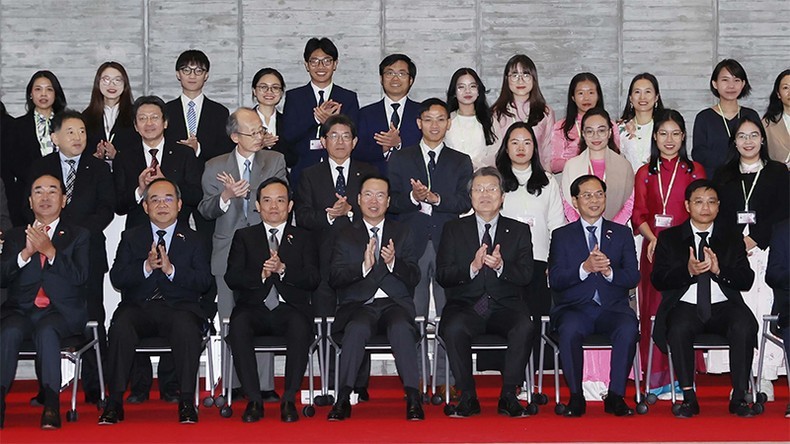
391 123
701 269
374 270
274 286
161 268
592 268
44 265
484 264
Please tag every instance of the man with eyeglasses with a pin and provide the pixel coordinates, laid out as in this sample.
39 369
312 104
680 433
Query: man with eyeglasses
391 123
307 107
484 263
592 268
161 269
701 268
229 182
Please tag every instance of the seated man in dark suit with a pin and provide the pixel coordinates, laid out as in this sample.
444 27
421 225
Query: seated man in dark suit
592 267
484 263
391 123
374 271
161 269
272 288
777 275
44 265
700 270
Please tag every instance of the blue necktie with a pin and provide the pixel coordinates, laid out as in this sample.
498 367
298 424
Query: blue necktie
591 242
246 176
191 119
340 183
395 120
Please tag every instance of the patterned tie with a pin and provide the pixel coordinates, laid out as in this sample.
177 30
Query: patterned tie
481 306
154 161
72 174
272 300
703 282
591 242
320 97
340 183
191 119
377 252
487 239
246 176
160 244
395 120
42 300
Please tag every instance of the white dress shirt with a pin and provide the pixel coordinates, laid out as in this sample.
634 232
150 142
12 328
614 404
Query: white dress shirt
716 295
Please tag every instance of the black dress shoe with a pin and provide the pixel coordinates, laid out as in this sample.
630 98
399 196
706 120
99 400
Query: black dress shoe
615 404
172 398
362 394
270 396
38 400
253 412
50 419
510 406
112 414
741 408
577 406
137 398
187 413
687 409
288 412
467 407
340 411
414 410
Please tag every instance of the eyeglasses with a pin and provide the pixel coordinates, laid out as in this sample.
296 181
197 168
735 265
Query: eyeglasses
143 118
345 137
326 61
466 86
598 195
277 89
393 74
369 195
673 134
255 134
156 200
490 189
186 70
600 132
743 137
702 202
516 76
115 81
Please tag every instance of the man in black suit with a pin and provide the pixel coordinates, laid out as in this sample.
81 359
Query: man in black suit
701 269
272 287
161 269
429 188
374 271
90 200
484 263
44 266
391 123
777 275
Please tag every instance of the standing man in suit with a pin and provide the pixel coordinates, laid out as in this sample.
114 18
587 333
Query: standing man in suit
228 181
308 107
429 188
484 263
374 270
701 270
44 265
592 268
90 201
391 123
273 287
161 269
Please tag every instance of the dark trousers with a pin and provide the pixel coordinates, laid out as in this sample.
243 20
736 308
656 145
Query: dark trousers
248 321
461 323
46 327
131 323
382 315
575 324
735 322
94 292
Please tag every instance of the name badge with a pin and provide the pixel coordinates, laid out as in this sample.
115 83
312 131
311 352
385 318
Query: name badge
747 217
315 144
663 220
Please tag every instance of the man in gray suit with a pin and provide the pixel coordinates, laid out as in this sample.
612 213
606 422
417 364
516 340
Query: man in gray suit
227 181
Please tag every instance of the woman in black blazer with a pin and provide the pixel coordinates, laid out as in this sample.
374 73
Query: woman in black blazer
109 118
268 87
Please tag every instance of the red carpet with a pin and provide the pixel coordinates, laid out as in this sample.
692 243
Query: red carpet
381 421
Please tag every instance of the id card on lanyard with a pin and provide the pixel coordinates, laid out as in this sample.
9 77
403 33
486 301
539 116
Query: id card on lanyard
664 220
748 217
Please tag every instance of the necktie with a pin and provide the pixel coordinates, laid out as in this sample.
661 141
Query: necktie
431 167
246 176
154 161
160 243
191 119
72 174
42 300
591 242
320 97
487 239
377 252
481 306
272 299
703 282
340 183
395 120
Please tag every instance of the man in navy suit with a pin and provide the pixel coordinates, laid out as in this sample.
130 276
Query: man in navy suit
429 188
308 107
777 275
592 268
391 123
161 269
44 266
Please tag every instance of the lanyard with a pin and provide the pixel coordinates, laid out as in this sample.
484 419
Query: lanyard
664 200
578 130
724 119
746 197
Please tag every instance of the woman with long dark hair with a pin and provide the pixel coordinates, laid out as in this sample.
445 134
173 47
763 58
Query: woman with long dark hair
44 99
108 117
776 119
636 123
471 129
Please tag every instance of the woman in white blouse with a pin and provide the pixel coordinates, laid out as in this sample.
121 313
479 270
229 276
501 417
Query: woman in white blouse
471 130
268 87
636 124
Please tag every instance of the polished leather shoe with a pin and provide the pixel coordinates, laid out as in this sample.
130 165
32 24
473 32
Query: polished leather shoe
50 419
577 406
340 411
509 405
112 414
414 410
288 412
270 396
253 412
38 400
615 404
741 408
362 394
466 408
187 413
137 398
171 398
442 391
687 409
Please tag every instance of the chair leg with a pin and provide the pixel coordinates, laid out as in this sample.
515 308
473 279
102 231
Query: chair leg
671 374
77 372
100 368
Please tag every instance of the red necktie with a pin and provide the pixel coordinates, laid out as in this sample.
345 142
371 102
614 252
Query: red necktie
42 300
